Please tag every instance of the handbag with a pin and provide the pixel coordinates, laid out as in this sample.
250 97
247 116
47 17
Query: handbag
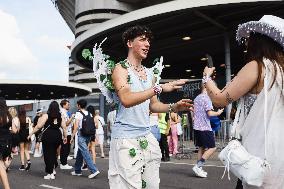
179 129
39 138
249 168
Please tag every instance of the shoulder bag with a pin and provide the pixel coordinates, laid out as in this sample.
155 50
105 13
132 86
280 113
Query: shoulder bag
249 168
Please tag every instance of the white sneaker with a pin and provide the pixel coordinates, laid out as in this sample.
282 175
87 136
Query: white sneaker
199 172
37 155
75 174
69 158
93 175
203 171
65 166
49 176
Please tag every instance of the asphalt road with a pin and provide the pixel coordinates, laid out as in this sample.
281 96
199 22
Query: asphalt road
176 174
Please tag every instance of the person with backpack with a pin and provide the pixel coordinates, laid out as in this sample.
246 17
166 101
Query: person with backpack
85 125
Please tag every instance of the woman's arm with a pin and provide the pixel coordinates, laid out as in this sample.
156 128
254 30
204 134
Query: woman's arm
15 125
245 80
40 124
3 175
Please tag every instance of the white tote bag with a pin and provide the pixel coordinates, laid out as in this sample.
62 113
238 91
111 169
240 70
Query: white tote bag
179 129
250 169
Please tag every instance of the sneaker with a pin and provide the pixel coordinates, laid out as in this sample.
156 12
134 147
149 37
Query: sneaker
84 167
22 168
65 166
75 174
37 154
93 175
203 171
28 166
49 176
199 172
69 158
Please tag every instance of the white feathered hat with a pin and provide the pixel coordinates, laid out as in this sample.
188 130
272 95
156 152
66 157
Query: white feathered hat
269 25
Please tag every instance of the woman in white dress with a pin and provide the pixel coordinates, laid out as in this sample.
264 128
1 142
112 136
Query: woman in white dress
259 85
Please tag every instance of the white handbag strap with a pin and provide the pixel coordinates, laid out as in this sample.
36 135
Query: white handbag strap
265 111
237 116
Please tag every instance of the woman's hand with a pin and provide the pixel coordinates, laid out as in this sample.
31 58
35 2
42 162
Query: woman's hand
208 71
29 137
65 140
173 85
183 105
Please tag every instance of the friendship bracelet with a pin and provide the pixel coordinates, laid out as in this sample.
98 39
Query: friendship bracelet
171 107
206 78
157 89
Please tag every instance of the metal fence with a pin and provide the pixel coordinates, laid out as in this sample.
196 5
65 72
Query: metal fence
186 140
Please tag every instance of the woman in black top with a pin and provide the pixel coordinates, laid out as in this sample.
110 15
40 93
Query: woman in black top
24 142
5 141
51 137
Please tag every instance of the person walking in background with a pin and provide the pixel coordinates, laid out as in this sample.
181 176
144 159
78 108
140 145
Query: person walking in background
51 137
65 148
15 136
164 127
83 141
25 124
38 150
5 141
173 135
99 121
259 86
92 144
110 121
204 136
154 122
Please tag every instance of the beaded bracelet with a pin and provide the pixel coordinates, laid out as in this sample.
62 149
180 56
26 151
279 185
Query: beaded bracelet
157 89
171 107
206 78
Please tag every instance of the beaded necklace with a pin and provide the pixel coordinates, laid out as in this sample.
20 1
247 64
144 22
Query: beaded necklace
138 70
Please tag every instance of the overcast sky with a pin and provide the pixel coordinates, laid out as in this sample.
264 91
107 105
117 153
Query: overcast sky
33 40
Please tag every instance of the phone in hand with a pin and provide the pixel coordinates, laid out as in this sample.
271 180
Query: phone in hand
209 61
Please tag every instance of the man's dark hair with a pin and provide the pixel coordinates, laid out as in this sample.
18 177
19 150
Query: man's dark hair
136 31
63 102
82 103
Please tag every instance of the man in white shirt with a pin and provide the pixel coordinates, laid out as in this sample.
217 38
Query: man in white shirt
65 148
100 122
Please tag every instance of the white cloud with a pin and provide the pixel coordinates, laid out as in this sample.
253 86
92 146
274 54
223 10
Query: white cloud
16 59
51 43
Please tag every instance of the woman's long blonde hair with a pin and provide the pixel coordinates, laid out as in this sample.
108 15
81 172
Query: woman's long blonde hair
13 112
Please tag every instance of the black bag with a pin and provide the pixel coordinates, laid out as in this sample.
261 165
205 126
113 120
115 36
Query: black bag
88 125
5 147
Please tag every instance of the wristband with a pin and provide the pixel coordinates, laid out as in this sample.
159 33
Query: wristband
157 89
206 78
171 107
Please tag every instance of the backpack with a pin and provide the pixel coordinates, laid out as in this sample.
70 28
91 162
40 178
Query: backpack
88 125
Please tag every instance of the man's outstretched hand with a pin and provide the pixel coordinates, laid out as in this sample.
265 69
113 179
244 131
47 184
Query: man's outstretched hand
183 105
173 85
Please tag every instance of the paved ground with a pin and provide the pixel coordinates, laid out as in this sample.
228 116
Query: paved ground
176 174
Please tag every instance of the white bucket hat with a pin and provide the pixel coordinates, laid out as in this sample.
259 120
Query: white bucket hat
269 25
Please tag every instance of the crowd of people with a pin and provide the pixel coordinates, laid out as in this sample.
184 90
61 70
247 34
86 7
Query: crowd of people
144 131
